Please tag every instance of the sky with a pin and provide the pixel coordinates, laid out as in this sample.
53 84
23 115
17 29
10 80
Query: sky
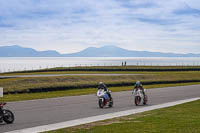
69 26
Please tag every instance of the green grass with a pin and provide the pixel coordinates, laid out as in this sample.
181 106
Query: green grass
54 94
16 84
182 118
73 72
68 70
13 84
82 72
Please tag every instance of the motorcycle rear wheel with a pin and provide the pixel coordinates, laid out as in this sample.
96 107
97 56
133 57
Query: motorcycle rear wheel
111 102
145 100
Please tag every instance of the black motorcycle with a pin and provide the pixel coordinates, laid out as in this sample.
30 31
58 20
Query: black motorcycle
6 115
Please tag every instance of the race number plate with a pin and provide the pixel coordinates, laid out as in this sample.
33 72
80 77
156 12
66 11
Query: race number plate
1 92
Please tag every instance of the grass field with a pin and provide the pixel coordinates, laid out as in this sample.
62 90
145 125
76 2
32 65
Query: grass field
74 72
76 92
99 69
12 84
183 118
80 85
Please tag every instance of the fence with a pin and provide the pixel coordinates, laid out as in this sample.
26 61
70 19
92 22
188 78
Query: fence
17 68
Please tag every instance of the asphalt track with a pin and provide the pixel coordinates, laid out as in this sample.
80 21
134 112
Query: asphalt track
48 111
55 75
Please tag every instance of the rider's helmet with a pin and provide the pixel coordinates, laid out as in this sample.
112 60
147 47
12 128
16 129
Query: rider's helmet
137 84
101 85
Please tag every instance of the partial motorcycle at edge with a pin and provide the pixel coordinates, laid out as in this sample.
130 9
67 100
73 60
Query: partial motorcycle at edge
6 115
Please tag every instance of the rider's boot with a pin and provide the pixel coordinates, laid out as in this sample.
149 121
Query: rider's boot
109 96
144 95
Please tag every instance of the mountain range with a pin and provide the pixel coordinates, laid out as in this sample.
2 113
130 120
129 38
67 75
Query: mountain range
105 51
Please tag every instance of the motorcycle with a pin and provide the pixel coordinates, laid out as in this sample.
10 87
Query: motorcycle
6 115
104 98
139 97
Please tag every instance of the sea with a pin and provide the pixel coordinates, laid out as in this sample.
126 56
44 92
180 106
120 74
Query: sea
10 64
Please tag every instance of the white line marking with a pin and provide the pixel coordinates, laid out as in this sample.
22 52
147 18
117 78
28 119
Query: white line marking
98 118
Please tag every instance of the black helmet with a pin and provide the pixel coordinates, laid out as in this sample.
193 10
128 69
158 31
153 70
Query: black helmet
101 85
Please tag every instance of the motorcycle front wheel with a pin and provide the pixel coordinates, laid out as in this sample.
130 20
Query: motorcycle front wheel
137 100
101 103
8 116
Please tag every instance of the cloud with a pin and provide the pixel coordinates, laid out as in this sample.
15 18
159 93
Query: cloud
139 25
187 10
136 4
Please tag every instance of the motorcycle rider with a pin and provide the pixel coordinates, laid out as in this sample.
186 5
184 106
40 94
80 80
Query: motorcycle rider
105 88
137 86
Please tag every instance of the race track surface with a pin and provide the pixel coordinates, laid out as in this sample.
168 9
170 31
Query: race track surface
48 111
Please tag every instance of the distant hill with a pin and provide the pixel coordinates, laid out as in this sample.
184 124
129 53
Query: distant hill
106 51
113 51
18 51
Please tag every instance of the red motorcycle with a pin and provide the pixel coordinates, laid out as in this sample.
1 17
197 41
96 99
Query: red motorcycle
6 115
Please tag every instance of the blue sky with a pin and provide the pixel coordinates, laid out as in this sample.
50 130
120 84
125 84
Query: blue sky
72 25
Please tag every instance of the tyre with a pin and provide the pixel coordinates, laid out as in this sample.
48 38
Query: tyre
101 103
8 116
137 100
111 102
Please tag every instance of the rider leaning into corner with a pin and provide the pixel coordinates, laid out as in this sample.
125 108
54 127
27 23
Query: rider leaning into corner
104 87
137 86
